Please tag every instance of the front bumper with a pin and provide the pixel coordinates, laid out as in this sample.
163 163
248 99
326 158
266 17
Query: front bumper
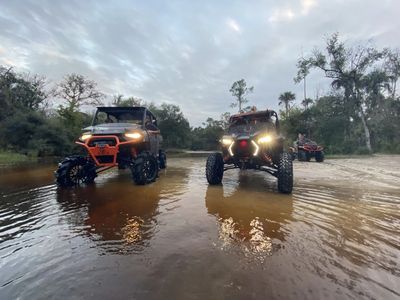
248 152
104 154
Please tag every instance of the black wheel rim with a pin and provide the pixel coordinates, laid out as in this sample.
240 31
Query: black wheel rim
149 168
75 174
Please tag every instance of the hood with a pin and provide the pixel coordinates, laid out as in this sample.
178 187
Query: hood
112 128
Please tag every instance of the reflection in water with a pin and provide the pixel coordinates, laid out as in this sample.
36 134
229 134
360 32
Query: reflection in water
259 242
327 240
131 232
119 216
249 215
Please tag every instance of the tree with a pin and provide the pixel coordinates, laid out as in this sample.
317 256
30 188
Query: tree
20 91
78 90
174 126
347 67
392 68
285 99
307 102
225 120
239 90
119 100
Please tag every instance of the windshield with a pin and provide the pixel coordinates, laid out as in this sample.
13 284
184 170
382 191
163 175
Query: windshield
250 125
119 116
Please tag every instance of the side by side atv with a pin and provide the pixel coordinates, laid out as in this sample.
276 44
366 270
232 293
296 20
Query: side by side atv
253 141
123 137
307 149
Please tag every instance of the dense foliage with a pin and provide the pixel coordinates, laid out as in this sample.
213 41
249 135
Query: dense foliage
361 113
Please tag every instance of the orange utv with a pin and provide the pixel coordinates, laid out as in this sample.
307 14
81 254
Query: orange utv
123 137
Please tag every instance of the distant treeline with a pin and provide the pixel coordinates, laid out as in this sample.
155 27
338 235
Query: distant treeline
361 113
31 124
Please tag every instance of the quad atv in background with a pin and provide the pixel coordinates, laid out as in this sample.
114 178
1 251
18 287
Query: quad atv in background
253 141
126 137
306 149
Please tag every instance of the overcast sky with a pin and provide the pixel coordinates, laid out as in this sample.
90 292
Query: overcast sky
187 52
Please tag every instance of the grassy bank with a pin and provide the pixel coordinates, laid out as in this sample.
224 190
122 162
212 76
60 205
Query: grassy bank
9 158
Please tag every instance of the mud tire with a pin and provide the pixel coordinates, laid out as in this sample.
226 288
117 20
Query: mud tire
319 156
75 170
294 155
301 155
162 159
144 169
285 173
308 156
215 168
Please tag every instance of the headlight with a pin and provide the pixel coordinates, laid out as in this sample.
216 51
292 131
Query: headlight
227 141
85 136
133 135
265 139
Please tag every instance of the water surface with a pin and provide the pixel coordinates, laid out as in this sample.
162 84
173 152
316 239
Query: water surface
336 236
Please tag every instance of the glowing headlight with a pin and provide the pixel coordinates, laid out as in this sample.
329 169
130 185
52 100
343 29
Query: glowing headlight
227 141
230 149
256 146
265 139
133 135
85 136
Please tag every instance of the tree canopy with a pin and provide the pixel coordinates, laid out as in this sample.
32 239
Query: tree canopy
240 90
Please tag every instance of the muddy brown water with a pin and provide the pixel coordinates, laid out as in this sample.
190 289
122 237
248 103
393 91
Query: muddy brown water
336 237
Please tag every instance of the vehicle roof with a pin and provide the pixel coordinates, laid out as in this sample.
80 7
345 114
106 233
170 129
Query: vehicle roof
259 113
119 108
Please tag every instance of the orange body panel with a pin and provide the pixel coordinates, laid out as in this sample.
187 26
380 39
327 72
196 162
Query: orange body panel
104 150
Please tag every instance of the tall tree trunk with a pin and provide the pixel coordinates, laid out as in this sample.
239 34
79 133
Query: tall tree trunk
366 131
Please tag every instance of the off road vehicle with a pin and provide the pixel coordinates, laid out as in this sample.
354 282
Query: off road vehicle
253 141
307 149
123 137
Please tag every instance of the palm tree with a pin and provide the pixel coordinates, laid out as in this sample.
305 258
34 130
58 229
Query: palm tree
306 102
285 99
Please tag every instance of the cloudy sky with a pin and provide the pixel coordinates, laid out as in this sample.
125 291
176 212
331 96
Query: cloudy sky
187 52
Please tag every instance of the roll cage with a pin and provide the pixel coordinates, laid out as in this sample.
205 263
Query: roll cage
143 115
245 120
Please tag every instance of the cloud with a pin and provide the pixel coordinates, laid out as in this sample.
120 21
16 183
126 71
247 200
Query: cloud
187 53
285 14
307 5
289 12
232 24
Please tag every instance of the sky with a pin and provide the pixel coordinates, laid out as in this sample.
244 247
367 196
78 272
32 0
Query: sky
188 52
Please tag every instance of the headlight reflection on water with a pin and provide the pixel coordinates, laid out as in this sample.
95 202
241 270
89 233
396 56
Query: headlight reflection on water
255 245
131 232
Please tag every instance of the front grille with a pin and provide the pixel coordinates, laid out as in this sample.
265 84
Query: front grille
243 148
105 159
102 141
